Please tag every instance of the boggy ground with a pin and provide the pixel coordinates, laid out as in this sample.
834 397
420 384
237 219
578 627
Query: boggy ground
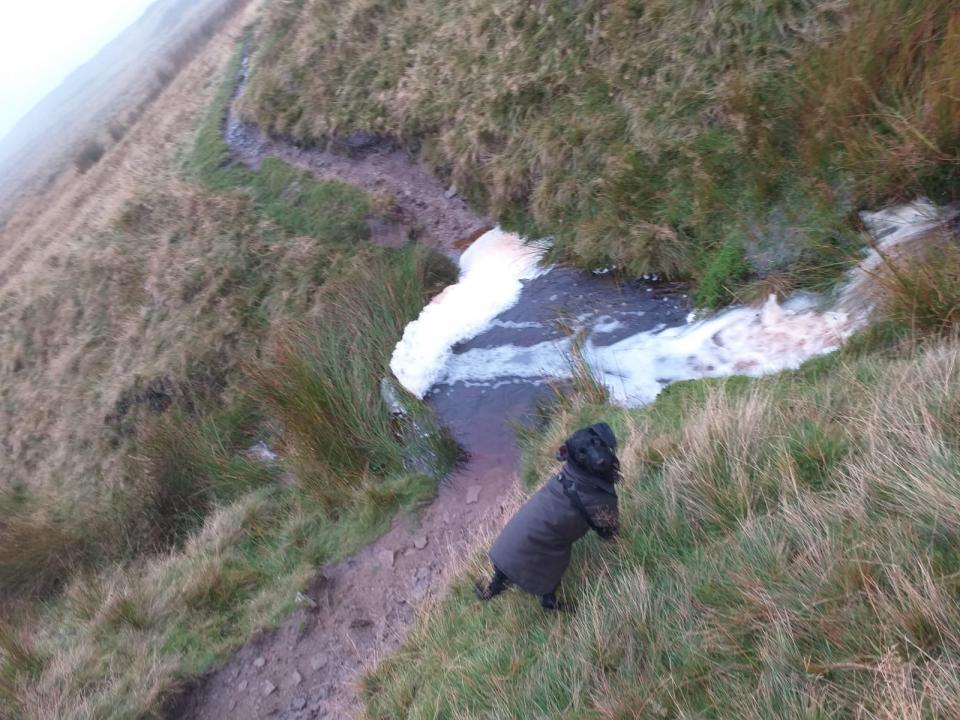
415 203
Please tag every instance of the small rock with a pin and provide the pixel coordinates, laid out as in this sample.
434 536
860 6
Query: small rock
386 558
473 494
261 452
298 703
305 601
260 662
294 679
420 542
242 686
268 688
317 662
451 192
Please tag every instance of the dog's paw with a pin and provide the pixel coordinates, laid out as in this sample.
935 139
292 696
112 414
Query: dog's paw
560 606
482 592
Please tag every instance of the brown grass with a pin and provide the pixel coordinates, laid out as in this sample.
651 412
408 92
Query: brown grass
921 289
886 94
18 663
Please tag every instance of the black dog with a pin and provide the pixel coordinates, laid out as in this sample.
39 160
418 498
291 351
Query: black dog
533 549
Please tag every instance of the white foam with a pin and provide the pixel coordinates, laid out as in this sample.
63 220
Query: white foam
491 274
514 325
606 324
741 340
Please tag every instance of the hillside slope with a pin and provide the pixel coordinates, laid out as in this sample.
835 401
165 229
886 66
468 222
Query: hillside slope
191 414
98 103
193 350
789 548
720 140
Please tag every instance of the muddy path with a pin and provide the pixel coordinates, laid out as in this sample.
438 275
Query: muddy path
423 209
365 605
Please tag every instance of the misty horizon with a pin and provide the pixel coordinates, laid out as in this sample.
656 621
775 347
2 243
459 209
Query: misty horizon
47 40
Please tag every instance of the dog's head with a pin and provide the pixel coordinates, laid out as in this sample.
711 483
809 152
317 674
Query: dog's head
592 449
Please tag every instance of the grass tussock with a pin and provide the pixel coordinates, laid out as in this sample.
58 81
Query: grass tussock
322 383
37 555
89 155
187 465
788 549
885 98
721 142
18 663
920 289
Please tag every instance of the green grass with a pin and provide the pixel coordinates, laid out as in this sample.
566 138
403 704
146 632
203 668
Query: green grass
728 267
651 135
292 198
208 158
326 210
789 549
322 384
232 307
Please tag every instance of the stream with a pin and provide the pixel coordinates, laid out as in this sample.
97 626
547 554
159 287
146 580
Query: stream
481 354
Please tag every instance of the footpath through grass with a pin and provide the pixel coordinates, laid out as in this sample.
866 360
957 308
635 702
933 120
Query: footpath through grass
228 308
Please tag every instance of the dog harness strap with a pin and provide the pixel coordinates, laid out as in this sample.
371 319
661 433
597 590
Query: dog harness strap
571 492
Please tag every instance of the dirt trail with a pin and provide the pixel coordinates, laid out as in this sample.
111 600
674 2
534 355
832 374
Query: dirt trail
308 667
424 209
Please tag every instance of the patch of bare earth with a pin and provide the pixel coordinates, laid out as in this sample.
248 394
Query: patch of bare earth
418 205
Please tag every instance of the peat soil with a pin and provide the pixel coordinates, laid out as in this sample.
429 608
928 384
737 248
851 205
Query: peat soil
309 667
422 208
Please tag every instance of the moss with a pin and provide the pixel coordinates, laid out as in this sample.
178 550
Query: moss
726 268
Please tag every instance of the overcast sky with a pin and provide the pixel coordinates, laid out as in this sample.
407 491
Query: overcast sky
43 41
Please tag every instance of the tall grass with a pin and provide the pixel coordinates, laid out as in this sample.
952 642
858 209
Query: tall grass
884 100
142 542
18 663
920 289
655 135
185 465
37 555
322 383
788 549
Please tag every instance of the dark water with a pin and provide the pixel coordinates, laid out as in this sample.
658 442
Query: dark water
482 416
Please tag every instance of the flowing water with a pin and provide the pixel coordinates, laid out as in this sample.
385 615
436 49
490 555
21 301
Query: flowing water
481 353
487 347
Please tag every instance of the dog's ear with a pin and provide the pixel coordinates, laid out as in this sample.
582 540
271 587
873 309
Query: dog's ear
562 453
605 433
